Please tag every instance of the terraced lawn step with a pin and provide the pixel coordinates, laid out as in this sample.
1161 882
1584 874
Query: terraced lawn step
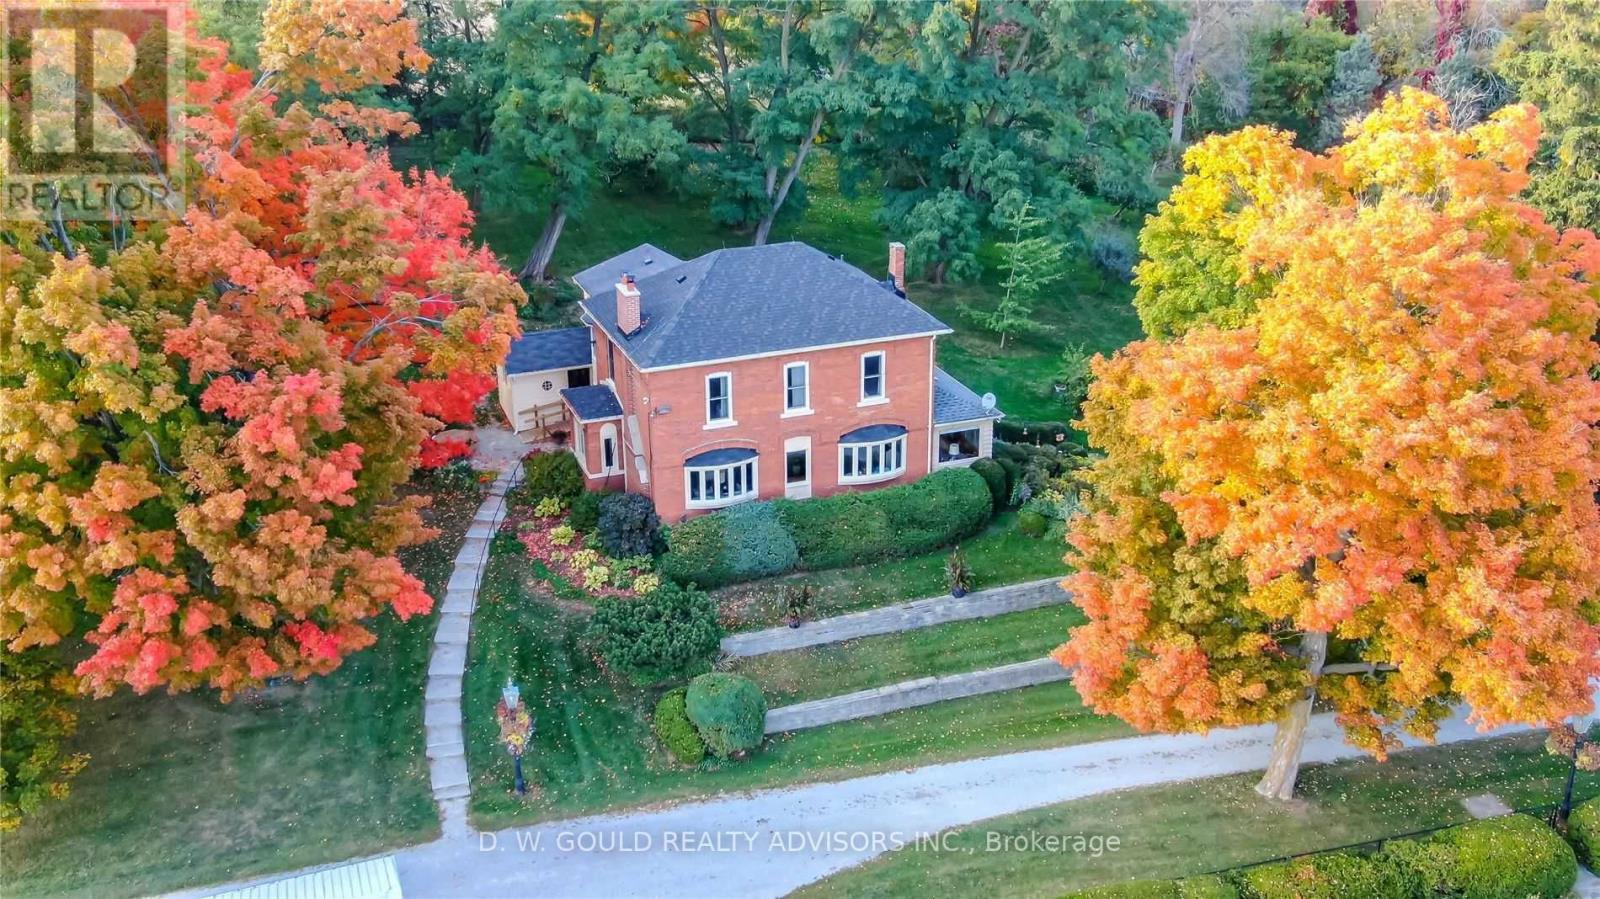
902 617
913 693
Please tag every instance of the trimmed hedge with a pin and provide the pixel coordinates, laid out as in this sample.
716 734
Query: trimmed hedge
674 729
1512 857
669 633
1013 473
729 712
553 474
1037 432
1583 832
761 539
995 477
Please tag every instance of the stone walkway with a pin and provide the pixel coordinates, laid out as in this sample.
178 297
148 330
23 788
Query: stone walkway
442 713
912 693
903 617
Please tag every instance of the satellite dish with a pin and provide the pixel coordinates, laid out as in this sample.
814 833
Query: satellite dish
988 402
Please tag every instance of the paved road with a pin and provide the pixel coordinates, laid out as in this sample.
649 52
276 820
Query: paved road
771 842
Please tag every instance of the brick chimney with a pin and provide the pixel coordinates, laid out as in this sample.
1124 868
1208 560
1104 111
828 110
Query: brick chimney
627 305
897 265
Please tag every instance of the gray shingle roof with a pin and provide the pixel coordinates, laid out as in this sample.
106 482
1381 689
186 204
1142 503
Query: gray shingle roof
955 401
749 300
547 350
592 403
641 262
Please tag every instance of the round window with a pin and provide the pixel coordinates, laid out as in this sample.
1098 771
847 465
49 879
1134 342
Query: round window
547 385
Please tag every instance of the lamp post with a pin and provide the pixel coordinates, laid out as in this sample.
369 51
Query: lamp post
1581 753
516 729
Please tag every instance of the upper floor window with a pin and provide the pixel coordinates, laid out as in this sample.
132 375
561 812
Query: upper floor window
719 398
797 387
872 386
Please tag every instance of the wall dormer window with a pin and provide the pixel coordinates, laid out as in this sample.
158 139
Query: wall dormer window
872 378
719 399
796 388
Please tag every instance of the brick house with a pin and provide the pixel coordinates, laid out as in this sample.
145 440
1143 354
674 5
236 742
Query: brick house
753 372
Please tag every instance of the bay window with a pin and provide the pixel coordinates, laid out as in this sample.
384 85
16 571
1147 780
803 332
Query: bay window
871 454
720 478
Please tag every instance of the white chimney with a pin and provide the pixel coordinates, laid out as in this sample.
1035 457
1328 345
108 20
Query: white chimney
627 305
897 265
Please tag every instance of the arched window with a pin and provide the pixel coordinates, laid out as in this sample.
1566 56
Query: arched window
871 454
610 451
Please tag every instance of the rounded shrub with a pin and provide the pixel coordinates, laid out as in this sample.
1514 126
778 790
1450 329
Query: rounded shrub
1032 523
729 712
755 544
671 632
585 514
553 474
628 525
674 729
995 477
1583 832
696 553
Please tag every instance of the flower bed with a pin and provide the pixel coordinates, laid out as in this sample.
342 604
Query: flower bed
567 554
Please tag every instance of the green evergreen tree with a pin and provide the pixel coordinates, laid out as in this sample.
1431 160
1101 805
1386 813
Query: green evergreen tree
1291 66
1350 94
1554 63
1033 262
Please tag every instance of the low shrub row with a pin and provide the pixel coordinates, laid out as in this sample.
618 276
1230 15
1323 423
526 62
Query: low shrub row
755 540
724 714
1512 857
669 633
675 731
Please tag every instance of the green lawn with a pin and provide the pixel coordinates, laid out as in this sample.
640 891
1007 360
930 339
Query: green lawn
184 791
1001 554
1086 307
1207 825
960 646
594 750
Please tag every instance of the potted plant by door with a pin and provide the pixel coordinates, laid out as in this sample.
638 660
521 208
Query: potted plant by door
958 574
796 602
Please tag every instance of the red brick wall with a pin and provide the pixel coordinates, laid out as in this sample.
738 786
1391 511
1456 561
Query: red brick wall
758 398
628 387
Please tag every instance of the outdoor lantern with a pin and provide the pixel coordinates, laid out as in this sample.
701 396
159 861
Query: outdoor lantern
511 694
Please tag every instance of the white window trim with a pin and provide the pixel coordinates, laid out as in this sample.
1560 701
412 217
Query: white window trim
881 476
714 423
610 432
883 379
976 426
580 449
803 410
752 487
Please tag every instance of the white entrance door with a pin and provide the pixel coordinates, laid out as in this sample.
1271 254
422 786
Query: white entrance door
797 467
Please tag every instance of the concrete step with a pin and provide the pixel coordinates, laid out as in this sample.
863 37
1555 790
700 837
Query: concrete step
447 689
454 791
442 738
447 754
441 711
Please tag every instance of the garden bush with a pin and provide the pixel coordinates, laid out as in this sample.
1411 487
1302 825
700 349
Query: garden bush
669 633
755 544
675 731
1013 473
1333 875
585 514
1511 857
1583 832
1040 433
729 712
1032 523
453 477
995 477
697 553
628 525
1113 250
553 474
1205 886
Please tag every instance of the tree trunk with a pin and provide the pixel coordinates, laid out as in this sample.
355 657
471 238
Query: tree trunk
539 260
1290 741
775 200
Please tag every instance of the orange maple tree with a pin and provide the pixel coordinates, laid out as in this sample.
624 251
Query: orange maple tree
203 424
1379 485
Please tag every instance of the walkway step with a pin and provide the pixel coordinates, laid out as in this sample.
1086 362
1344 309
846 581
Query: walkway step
447 689
902 617
455 791
913 693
